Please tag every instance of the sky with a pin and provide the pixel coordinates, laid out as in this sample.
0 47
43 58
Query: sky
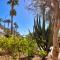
24 18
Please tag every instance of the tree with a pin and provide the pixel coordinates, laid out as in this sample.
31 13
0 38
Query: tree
15 27
4 24
56 18
6 29
1 20
53 6
8 21
39 7
12 11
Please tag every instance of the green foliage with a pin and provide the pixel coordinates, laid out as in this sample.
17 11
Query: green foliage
36 49
13 12
15 2
9 44
42 36
32 47
42 53
14 45
28 45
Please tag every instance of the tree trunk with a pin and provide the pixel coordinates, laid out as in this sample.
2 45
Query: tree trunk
4 26
55 29
55 43
11 24
12 6
8 24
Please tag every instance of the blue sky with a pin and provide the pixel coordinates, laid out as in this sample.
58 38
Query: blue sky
24 18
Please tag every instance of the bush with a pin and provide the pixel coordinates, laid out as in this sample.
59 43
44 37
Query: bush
14 45
18 45
42 53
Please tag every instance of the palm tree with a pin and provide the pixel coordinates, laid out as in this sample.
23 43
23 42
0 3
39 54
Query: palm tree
16 26
8 21
6 29
1 20
12 12
4 24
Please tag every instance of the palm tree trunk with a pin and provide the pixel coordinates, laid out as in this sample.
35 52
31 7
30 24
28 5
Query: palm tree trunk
4 26
11 24
12 17
0 23
16 32
8 24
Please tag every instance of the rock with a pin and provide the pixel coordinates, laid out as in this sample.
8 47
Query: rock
36 57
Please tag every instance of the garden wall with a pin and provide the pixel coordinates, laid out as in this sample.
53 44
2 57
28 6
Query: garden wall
7 57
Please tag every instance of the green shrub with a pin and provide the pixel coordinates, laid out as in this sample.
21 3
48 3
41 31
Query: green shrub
15 45
42 53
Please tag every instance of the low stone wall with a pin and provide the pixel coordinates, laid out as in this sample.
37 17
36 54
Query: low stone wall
7 57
